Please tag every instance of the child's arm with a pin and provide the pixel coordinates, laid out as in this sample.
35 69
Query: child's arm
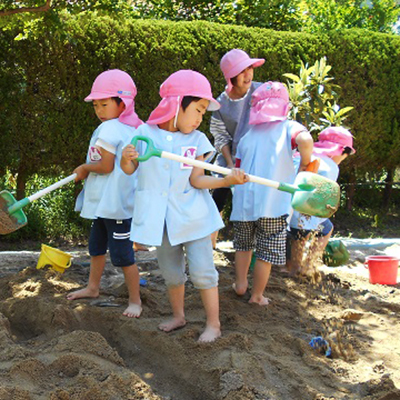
128 160
226 152
104 166
305 145
201 181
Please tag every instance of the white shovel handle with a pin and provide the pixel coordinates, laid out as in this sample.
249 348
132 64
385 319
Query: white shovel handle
52 187
216 168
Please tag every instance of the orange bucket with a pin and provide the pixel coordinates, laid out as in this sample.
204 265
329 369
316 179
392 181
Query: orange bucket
382 269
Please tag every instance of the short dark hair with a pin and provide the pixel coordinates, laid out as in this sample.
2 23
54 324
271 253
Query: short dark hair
187 100
118 100
347 150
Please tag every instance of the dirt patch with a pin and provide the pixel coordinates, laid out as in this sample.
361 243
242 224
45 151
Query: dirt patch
51 348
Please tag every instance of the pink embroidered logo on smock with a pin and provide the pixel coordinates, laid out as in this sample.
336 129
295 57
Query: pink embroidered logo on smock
94 154
189 152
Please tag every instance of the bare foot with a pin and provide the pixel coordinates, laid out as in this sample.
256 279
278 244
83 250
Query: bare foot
172 324
239 289
83 293
210 334
261 301
133 310
139 247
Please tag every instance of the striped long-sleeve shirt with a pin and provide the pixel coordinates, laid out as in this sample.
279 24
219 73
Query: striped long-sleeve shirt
231 122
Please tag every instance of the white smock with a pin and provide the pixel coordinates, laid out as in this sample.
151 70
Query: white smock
164 195
108 195
265 151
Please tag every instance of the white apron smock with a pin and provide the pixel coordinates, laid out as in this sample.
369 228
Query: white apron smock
265 151
108 195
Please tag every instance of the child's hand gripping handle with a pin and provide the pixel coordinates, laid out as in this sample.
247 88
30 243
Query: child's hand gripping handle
150 149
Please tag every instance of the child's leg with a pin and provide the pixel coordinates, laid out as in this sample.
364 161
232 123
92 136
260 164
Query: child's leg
262 270
242 264
97 249
270 249
244 243
214 237
210 301
176 296
171 261
205 278
132 281
139 247
122 255
97 264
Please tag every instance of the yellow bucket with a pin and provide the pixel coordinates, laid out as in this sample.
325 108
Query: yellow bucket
54 258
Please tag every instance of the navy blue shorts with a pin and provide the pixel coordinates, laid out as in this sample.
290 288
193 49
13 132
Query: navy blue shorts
323 230
115 235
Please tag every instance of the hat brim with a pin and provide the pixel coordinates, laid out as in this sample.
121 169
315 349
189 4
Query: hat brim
214 105
255 62
238 68
99 96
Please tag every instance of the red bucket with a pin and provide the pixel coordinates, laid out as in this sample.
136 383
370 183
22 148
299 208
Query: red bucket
382 269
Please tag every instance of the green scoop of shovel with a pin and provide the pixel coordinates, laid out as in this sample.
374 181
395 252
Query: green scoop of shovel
12 217
312 194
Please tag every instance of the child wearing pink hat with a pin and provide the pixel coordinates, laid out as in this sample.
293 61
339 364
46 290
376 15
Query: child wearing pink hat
173 209
334 145
259 213
231 121
107 194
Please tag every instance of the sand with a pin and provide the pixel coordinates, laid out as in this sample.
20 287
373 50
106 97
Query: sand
52 348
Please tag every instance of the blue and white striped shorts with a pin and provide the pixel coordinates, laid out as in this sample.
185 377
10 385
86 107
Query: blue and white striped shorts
114 235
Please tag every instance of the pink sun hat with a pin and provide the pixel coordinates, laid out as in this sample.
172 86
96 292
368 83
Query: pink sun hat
234 62
269 103
117 83
332 141
178 85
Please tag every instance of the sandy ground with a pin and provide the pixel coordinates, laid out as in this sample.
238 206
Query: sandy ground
51 348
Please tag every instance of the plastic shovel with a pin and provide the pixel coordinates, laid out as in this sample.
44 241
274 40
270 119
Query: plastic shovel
12 216
312 194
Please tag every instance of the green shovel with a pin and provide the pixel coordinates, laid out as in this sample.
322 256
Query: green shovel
312 194
12 216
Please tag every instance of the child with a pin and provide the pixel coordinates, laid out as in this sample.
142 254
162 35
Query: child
107 196
333 146
259 213
173 209
231 121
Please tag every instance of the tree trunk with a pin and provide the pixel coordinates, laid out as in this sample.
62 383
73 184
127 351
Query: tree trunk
387 193
351 190
21 183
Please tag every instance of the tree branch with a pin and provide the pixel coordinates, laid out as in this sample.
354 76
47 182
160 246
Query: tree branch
44 8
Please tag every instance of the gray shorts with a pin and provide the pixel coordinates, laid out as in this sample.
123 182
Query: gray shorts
199 255
266 235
